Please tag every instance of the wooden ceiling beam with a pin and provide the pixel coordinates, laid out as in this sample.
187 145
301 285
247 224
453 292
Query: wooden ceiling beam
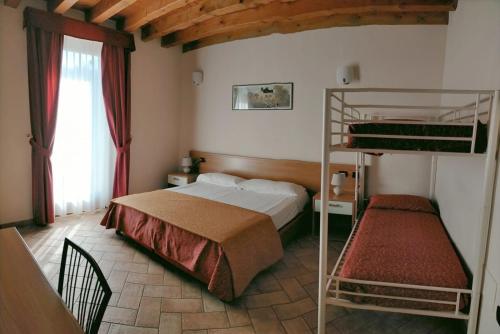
199 12
60 6
12 3
342 20
298 10
105 9
151 11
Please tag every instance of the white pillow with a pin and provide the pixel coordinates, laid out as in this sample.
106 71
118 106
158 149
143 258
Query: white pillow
273 187
220 179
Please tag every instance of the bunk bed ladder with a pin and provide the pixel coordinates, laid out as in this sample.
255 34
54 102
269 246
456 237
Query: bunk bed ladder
325 188
488 192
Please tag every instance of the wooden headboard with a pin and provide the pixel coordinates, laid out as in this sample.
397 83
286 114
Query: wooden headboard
305 173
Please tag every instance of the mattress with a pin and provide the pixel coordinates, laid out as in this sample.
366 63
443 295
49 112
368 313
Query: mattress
281 208
418 130
403 247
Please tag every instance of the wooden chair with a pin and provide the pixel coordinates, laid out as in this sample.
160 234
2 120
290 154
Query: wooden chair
83 288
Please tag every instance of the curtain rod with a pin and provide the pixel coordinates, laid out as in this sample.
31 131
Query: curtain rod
76 28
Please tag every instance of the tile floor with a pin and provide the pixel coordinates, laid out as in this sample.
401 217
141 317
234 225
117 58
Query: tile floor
149 298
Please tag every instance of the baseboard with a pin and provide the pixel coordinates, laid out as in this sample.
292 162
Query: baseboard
16 224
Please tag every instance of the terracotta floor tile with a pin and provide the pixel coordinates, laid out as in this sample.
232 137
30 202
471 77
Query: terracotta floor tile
120 315
190 289
116 280
104 328
266 299
149 312
149 279
170 278
308 278
155 268
293 289
332 313
115 296
212 303
170 323
181 305
267 283
295 309
238 316
204 320
296 326
264 321
130 296
131 266
140 257
234 330
121 329
162 291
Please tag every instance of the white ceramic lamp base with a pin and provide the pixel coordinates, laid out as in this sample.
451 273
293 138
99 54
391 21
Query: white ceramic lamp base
337 190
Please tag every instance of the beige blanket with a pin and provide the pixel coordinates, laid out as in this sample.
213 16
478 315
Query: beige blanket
249 239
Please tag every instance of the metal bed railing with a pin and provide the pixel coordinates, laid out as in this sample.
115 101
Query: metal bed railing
345 113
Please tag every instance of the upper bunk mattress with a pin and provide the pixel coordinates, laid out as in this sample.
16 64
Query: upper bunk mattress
406 247
418 130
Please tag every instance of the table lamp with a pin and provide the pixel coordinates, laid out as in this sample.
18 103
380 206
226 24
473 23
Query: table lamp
338 180
186 164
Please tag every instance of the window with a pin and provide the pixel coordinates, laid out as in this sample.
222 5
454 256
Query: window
83 157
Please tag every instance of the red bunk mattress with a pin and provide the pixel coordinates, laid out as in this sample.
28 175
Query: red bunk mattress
403 246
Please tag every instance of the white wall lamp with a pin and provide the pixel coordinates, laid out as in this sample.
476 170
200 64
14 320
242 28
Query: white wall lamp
197 77
347 74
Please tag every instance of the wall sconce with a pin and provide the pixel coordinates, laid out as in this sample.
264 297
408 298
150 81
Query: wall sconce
197 78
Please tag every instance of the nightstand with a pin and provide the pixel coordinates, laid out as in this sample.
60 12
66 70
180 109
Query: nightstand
180 179
344 204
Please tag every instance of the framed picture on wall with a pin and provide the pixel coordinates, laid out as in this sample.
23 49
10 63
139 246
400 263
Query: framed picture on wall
271 96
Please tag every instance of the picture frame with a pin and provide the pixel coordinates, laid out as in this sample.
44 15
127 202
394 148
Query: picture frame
266 96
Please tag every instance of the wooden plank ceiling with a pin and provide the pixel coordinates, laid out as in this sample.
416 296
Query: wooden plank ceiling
198 23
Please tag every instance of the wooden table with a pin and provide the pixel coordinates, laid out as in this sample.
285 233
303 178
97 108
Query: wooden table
28 303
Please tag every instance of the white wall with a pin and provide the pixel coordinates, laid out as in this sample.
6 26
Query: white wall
472 62
155 114
396 56
155 110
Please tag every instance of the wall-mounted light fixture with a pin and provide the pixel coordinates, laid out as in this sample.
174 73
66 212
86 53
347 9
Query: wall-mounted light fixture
197 78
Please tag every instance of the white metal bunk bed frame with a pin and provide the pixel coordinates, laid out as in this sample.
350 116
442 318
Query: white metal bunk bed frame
351 112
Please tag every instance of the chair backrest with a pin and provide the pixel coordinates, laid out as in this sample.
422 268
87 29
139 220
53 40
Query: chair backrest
83 287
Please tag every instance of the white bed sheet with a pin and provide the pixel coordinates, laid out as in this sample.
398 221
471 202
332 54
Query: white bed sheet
281 208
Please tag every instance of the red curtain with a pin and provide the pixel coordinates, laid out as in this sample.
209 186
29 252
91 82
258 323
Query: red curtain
44 69
115 67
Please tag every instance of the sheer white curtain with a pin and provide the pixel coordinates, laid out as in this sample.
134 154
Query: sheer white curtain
83 158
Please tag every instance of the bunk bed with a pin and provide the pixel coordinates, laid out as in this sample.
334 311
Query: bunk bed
398 257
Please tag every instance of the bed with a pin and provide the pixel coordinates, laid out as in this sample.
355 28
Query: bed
222 234
400 243
402 128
